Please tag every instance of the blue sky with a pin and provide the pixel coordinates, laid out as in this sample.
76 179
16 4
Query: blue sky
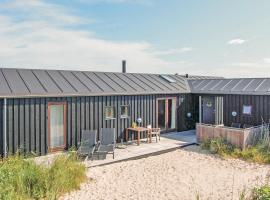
225 38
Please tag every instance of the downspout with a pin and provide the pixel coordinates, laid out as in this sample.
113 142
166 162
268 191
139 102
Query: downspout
5 127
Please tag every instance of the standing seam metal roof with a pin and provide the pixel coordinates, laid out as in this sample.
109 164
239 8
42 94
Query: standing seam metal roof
37 83
245 86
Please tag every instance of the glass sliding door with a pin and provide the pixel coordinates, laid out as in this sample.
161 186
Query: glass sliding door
57 126
162 114
166 113
171 113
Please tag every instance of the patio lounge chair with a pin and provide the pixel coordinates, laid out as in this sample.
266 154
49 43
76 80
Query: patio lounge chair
236 125
88 143
106 141
247 126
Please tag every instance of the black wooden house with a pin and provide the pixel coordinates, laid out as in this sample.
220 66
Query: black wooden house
46 110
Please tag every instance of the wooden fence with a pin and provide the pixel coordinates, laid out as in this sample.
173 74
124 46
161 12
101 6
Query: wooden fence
238 137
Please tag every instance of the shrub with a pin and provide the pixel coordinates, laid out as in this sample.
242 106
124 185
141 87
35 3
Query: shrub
259 153
261 193
217 146
24 179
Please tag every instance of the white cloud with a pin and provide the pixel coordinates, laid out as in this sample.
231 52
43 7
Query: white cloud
44 39
244 64
236 41
266 60
173 51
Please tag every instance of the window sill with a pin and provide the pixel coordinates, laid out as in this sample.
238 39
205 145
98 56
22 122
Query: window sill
124 117
110 118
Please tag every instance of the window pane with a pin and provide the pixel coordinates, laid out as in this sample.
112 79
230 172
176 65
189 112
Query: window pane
56 126
162 114
124 111
109 113
247 110
171 113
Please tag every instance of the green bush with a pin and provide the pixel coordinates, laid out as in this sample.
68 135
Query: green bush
259 153
217 146
261 193
24 179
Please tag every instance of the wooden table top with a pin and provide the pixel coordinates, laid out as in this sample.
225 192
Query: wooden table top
138 129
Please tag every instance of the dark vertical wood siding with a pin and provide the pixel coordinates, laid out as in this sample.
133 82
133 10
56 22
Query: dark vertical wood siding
1 125
260 108
27 118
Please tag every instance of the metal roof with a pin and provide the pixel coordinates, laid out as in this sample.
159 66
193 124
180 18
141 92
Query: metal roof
37 83
201 77
247 86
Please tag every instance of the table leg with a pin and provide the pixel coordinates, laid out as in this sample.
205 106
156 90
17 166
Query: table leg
126 135
139 134
150 136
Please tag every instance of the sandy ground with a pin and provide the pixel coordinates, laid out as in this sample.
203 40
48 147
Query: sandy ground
182 174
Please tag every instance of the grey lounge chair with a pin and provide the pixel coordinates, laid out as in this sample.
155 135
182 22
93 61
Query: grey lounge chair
106 141
247 126
236 125
88 143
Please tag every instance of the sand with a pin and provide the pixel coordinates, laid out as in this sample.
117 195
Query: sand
181 174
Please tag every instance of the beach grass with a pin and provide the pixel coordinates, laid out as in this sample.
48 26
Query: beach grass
24 179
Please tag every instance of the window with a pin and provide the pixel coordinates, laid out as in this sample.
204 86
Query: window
247 110
110 112
57 125
124 111
167 78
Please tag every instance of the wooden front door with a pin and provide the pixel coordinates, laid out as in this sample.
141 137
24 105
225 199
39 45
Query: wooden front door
57 126
166 114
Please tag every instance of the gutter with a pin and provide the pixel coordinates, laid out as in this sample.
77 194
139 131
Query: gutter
5 128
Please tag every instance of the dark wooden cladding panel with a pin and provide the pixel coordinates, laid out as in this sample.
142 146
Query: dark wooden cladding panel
260 109
27 119
22 144
16 133
73 121
69 121
27 131
43 126
1 126
78 121
32 114
37 126
10 130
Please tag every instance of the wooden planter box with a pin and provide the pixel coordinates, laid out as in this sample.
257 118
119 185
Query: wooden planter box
238 137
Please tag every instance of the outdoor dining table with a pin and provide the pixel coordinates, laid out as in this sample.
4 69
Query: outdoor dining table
137 130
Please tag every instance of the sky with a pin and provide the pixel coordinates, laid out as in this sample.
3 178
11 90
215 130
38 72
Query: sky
222 38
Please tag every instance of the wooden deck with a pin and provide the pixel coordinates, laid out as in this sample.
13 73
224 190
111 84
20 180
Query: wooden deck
168 142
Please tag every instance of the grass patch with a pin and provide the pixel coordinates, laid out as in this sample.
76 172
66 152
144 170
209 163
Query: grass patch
24 179
261 193
259 153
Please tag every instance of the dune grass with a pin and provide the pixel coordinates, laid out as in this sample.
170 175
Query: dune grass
261 193
260 153
24 179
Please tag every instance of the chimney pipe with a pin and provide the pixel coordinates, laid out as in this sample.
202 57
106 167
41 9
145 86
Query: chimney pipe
186 75
124 69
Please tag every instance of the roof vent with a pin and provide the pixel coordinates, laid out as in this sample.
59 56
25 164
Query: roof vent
167 78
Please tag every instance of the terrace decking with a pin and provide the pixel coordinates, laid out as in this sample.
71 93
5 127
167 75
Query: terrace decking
168 142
